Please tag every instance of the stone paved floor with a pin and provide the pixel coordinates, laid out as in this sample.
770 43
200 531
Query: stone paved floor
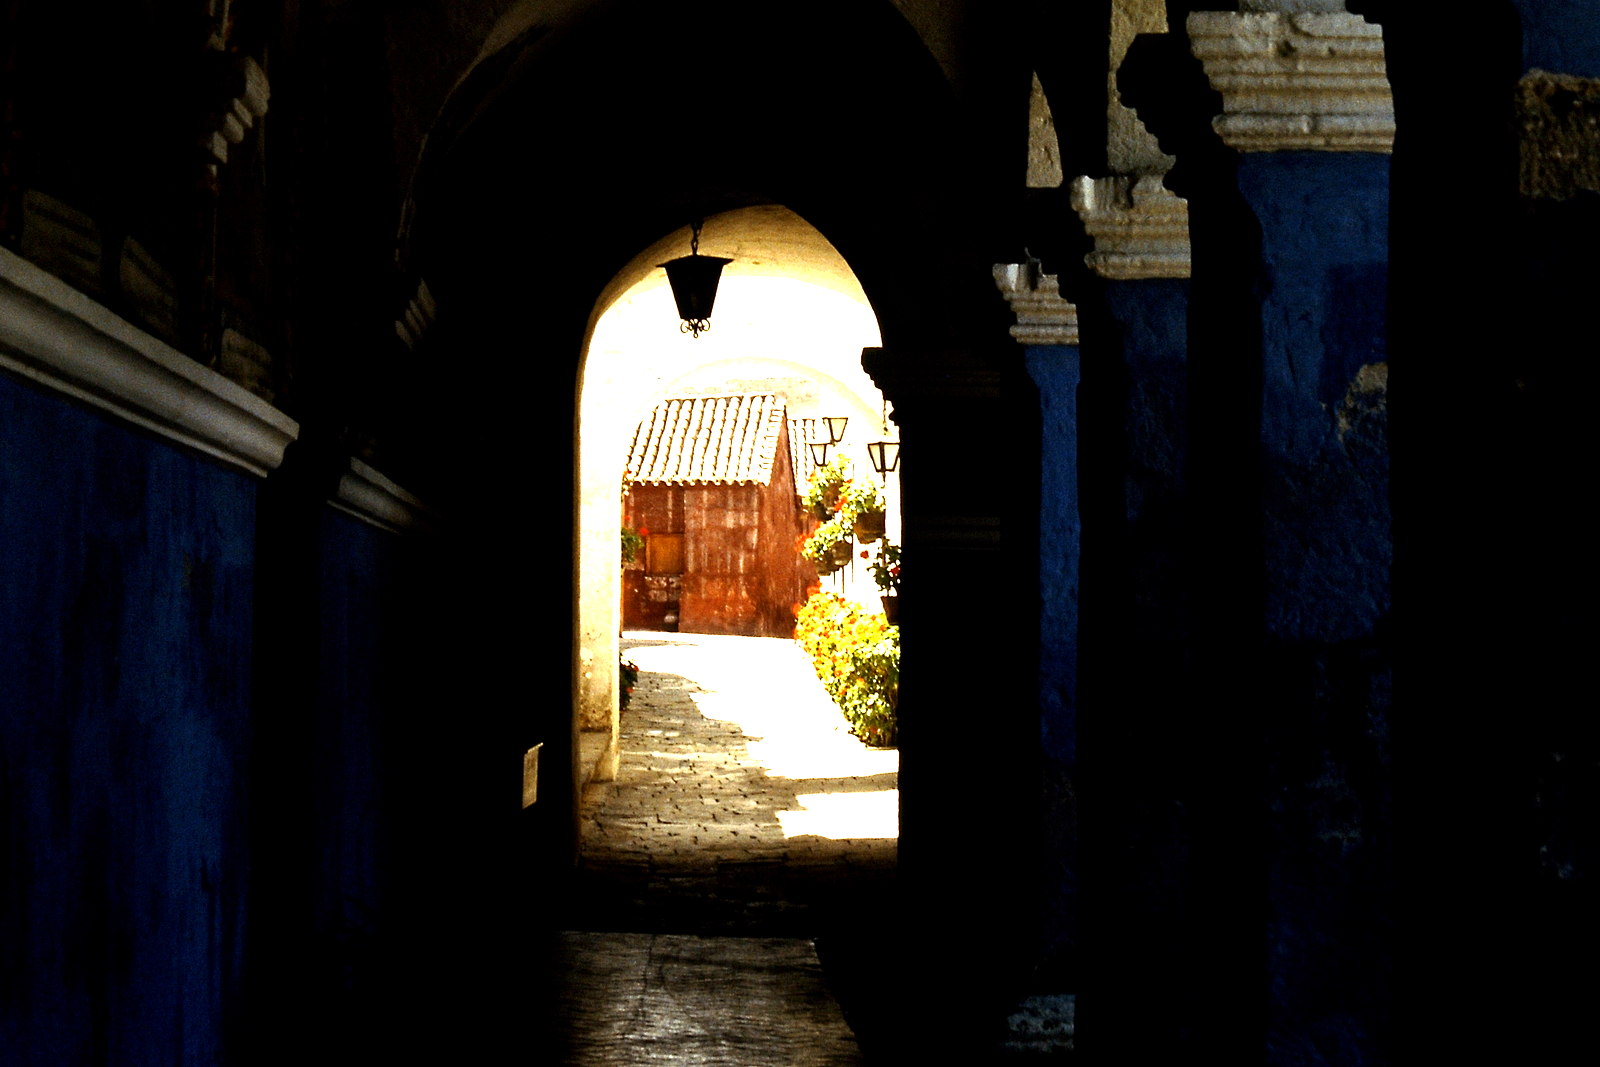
743 805
687 1000
746 828
743 823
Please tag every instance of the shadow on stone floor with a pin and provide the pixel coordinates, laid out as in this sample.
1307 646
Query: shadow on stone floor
691 863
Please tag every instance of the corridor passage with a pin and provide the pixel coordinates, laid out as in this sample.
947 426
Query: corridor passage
744 823
743 805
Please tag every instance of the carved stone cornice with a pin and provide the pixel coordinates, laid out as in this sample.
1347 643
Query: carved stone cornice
1044 316
247 103
374 499
61 339
1140 227
419 314
1296 81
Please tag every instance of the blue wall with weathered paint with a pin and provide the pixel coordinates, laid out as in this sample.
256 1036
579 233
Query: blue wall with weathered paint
1561 36
1326 545
1054 370
225 797
125 618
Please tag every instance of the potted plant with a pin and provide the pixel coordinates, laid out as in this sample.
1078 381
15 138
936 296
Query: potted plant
828 546
825 486
861 505
885 569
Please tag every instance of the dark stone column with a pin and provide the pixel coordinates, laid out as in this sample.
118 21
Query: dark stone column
1497 755
1054 370
1047 325
1283 785
969 731
1137 715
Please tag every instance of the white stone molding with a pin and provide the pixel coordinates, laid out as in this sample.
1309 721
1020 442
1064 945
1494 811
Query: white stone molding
1296 80
1044 316
240 113
374 499
418 316
1139 226
56 336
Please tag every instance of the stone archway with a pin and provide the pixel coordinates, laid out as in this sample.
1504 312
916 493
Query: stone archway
791 320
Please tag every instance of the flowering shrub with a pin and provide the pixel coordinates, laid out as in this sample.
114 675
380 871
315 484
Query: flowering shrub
856 653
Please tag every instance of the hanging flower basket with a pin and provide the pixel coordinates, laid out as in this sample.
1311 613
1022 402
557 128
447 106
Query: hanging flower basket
861 505
825 487
868 526
828 547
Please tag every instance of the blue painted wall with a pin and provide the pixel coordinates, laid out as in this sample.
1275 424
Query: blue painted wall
1054 370
125 619
1562 36
360 569
1326 545
1324 221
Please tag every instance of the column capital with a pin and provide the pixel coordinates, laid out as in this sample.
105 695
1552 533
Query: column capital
1140 227
1297 80
1560 138
1044 316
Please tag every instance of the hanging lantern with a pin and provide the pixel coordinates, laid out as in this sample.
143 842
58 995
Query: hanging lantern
835 424
694 285
885 455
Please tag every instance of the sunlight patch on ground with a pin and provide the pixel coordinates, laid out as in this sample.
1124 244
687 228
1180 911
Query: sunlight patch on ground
843 816
848 758
790 730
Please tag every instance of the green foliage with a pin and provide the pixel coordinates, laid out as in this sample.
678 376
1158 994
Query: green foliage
819 547
859 498
632 543
885 566
825 487
872 689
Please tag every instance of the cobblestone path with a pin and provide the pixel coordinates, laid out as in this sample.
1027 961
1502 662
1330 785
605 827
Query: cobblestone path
743 805
744 822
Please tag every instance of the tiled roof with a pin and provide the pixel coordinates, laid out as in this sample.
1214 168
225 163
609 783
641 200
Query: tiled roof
708 439
801 431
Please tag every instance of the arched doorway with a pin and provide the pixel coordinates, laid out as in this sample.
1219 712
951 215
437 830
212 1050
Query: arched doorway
791 322
597 139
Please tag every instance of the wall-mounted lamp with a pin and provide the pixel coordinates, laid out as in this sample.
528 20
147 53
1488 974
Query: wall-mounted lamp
694 284
835 424
885 455
819 452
